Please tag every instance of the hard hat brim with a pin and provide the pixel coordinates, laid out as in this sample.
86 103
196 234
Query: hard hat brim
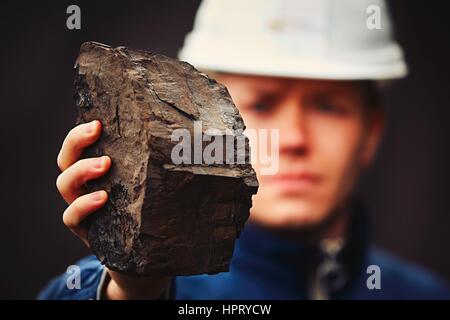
382 64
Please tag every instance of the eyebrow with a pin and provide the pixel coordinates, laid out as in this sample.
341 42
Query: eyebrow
266 89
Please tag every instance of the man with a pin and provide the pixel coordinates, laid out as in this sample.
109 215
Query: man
309 69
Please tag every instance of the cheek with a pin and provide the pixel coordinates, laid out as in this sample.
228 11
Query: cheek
337 150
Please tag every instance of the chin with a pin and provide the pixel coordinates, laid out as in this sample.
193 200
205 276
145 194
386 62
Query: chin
289 214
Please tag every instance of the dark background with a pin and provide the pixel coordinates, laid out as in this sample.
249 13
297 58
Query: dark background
408 187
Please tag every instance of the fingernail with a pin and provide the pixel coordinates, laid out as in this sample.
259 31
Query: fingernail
100 162
90 127
97 196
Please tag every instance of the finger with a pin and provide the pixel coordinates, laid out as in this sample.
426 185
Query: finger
76 140
70 182
82 207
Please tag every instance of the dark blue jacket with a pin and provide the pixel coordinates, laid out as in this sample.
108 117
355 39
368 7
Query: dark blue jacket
266 266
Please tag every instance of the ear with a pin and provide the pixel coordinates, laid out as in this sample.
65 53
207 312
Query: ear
375 130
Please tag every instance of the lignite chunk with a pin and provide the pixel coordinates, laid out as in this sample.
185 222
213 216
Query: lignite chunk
166 214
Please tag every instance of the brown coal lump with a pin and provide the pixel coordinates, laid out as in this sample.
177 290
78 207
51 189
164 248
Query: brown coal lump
160 218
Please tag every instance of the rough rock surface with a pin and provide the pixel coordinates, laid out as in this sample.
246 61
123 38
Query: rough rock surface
161 218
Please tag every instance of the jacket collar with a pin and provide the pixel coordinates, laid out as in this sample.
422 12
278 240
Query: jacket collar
267 255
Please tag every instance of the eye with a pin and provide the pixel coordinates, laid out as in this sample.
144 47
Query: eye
261 107
328 107
265 104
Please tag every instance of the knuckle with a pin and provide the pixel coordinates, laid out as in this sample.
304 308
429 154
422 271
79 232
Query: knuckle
69 216
67 220
75 130
71 140
59 183
74 136
59 161
82 169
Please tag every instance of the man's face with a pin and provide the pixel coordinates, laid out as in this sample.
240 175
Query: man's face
326 137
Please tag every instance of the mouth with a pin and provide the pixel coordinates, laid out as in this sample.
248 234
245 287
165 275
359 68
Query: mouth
302 182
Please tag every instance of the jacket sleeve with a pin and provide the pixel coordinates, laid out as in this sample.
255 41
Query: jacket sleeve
66 287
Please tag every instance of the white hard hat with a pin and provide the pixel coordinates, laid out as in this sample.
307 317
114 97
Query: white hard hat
322 39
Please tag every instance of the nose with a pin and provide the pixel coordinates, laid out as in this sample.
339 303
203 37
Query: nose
292 125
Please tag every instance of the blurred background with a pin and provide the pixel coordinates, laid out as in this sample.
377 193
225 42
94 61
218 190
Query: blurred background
408 188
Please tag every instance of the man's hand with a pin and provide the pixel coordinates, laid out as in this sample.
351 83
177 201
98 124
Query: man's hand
70 183
75 173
